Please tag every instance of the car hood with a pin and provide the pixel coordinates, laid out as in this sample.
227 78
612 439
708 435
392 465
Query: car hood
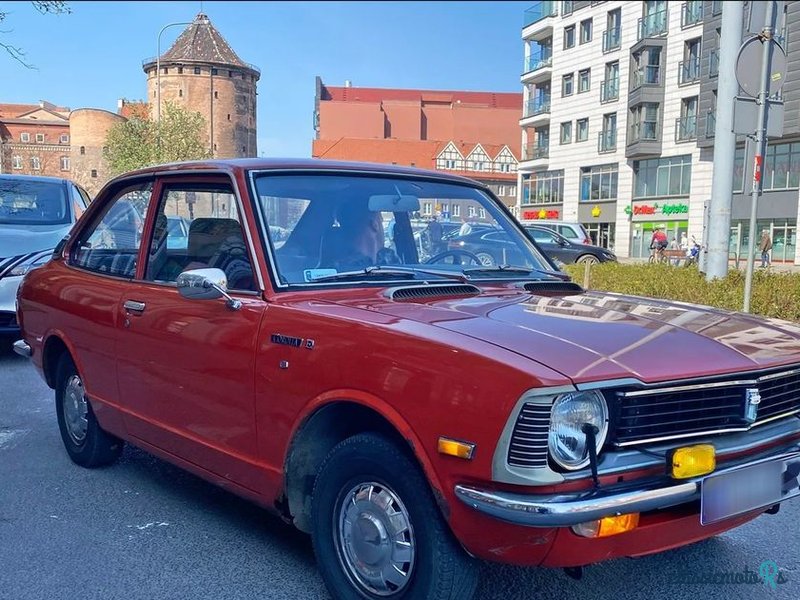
16 240
601 336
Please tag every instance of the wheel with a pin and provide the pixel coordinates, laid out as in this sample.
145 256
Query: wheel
587 259
454 253
377 531
652 259
85 441
486 259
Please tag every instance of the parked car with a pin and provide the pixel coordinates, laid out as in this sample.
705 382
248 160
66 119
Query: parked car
35 213
411 416
560 248
178 232
574 232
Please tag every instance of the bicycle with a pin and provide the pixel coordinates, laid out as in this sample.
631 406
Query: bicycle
657 255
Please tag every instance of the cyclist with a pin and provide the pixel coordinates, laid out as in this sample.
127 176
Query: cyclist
658 243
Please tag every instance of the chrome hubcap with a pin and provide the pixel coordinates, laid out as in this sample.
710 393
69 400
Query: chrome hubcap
75 409
375 540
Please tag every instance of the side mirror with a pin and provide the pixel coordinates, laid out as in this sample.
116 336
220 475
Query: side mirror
563 242
206 284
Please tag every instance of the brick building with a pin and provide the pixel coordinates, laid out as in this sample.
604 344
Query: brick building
35 139
475 134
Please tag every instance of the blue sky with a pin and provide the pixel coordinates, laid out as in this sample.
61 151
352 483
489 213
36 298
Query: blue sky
93 56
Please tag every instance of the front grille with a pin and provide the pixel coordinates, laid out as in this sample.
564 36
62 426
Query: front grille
693 410
528 447
8 320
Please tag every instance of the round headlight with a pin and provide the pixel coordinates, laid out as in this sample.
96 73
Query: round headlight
567 441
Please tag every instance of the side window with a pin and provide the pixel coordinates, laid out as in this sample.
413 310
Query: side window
111 244
198 226
567 232
78 203
545 237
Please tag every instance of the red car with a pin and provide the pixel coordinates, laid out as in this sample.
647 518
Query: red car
411 416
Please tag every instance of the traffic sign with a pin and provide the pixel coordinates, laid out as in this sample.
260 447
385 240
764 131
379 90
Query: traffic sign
748 66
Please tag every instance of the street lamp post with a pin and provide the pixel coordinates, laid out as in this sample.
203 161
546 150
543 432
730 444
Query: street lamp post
158 66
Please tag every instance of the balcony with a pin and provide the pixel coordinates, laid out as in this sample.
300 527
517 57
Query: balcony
713 63
646 131
711 123
536 62
648 75
607 141
691 14
686 128
612 39
653 25
609 90
537 112
689 71
539 10
535 151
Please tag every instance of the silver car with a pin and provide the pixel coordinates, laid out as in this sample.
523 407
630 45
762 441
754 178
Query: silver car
35 214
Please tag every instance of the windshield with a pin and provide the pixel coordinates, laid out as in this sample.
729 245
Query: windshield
325 228
25 202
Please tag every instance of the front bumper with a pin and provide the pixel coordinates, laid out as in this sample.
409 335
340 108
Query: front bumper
565 510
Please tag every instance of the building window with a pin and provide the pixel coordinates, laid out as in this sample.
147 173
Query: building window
477 159
164 70
215 147
662 177
470 211
230 73
216 95
456 210
229 116
566 132
24 137
584 80
781 167
599 182
543 187
214 72
180 93
567 85
450 158
16 162
36 164
65 163
427 208
39 138
512 190
63 138
586 31
180 70
567 7
505 162
197 70
83 150
644 122
583 130
94 173
569 37
482 213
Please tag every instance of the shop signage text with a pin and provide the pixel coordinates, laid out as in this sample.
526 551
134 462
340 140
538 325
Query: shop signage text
677 208
540 214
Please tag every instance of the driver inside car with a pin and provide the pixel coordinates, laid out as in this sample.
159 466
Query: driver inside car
357 242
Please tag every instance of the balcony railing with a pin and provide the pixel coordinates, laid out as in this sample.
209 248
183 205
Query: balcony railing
647 75
691 14
644 131
713 64
689 71
537 106
539 11
536 151
686 128
536 61
653 25
609 90
612 39
711 123
607 141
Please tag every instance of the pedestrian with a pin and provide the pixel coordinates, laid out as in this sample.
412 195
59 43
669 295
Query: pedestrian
466 228
434 235
765 245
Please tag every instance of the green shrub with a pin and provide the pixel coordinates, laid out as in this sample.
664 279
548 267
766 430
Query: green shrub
774 294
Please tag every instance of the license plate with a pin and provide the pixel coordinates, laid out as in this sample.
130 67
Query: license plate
749 488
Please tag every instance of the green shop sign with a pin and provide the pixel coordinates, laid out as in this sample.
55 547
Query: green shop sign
644 209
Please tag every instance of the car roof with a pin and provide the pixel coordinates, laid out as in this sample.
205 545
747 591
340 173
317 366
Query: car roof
300 164
34 178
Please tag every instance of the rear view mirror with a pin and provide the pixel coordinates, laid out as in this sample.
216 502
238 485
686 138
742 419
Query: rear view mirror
393 203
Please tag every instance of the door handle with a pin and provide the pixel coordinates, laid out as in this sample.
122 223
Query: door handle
134 306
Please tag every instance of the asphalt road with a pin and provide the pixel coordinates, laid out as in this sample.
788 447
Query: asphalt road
144 529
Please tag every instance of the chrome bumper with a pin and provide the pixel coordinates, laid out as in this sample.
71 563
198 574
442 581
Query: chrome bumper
565 510
22 348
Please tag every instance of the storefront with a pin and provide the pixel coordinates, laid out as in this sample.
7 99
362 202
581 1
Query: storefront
599 220
782 232
549 212
647 216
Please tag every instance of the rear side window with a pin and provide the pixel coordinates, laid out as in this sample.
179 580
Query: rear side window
111 243
568 232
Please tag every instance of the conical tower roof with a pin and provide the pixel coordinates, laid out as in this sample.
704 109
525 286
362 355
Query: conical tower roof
200 42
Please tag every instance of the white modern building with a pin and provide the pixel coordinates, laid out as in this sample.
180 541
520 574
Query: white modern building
617 124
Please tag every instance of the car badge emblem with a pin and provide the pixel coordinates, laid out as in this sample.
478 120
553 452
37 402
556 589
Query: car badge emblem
752 400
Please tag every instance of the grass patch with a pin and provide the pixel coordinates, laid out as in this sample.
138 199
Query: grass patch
774 294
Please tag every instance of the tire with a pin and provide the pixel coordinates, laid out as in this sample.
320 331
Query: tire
486 259
587 259
432 564
85 441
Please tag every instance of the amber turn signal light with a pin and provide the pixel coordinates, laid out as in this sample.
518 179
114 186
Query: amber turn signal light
456 448
692 461
607 526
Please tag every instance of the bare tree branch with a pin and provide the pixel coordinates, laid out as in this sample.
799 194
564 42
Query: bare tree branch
53 7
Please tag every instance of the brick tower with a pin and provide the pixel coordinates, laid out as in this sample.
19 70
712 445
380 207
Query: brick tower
202 73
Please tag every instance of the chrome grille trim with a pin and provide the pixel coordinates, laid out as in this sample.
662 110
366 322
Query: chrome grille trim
528 447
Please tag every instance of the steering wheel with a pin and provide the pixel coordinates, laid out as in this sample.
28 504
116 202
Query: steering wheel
453 253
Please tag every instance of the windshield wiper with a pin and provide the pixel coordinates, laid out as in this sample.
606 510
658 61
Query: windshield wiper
510 269
390 271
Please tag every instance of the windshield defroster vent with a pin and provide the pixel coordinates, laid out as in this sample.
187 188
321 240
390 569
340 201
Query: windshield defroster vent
552 286
428 291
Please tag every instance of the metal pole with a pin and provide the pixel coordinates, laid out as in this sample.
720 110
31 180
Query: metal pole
719 213
761 146
158 80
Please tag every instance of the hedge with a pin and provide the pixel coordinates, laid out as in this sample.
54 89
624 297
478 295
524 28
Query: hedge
775 294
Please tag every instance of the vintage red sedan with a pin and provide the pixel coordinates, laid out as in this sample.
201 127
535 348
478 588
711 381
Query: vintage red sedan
411 413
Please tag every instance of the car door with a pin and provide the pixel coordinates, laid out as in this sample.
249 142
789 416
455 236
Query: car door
553 244
186 367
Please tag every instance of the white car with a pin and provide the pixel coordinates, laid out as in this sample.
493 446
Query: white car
574 232
35 214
